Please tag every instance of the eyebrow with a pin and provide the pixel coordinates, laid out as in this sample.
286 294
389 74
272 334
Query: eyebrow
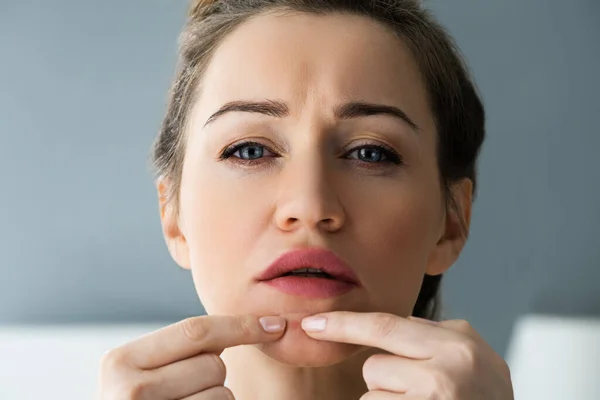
279 109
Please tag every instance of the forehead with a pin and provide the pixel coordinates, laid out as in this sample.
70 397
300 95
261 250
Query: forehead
297 57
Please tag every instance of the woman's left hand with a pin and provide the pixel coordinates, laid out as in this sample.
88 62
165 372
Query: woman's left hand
443 361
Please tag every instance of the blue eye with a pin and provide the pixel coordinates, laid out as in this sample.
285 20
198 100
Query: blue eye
374 154
371 155
246 152
250 152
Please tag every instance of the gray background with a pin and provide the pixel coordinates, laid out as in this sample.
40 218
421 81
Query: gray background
82 92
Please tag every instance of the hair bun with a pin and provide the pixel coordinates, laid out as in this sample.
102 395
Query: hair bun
198 8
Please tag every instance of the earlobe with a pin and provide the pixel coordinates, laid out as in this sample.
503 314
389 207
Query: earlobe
174 237
456 229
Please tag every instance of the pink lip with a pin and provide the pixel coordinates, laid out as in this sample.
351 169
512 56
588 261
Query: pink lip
342 280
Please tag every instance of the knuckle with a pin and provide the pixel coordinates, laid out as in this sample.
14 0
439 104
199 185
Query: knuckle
195 329
371 367
385 324
113 359
245 326
367 369
136 389
216 366
117 379
222 393
462 325
372 363
466 351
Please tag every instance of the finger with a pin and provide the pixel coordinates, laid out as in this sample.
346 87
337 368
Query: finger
215 393
461 326
192 336
385 331
394 374
184 378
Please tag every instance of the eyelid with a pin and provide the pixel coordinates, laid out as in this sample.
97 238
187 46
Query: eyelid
367 143
393 156
230 150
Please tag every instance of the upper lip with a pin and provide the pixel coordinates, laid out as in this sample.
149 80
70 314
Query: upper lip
318 258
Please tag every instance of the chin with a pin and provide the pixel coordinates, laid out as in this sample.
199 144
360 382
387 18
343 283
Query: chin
296 348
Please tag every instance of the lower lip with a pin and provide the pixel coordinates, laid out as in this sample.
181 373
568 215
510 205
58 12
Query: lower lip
311 287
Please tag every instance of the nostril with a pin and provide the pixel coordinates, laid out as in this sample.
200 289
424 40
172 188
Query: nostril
330 224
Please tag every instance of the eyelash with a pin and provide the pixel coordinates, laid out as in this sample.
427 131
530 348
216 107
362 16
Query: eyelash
231 150
391 156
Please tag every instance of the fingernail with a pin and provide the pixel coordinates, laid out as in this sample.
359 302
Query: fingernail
272 324
423 320
314 324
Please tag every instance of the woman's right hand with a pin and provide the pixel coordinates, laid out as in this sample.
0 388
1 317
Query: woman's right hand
181 361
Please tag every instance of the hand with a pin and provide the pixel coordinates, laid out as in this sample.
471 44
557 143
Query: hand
181 361
442 361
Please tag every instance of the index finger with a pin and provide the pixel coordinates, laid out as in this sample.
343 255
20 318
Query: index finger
388 332
195 335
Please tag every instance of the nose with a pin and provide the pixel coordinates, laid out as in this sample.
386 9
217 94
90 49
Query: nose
308 199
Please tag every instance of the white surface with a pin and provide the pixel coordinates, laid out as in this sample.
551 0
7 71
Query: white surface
555 358
57 362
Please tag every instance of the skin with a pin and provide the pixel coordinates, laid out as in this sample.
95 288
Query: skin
314 186
310 195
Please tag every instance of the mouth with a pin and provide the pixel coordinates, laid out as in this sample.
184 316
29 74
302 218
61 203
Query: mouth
313 272
309 273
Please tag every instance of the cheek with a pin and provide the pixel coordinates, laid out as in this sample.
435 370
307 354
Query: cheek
397 233
223 222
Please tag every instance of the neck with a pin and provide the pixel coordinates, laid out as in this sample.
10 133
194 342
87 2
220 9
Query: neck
252 376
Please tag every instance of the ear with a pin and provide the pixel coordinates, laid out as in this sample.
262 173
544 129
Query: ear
455 230
171 228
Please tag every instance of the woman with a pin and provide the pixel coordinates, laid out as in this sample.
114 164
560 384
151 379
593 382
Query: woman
316 170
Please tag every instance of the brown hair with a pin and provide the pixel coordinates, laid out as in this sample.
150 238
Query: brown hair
453 98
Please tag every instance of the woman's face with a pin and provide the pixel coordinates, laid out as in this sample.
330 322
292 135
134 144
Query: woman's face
364 185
